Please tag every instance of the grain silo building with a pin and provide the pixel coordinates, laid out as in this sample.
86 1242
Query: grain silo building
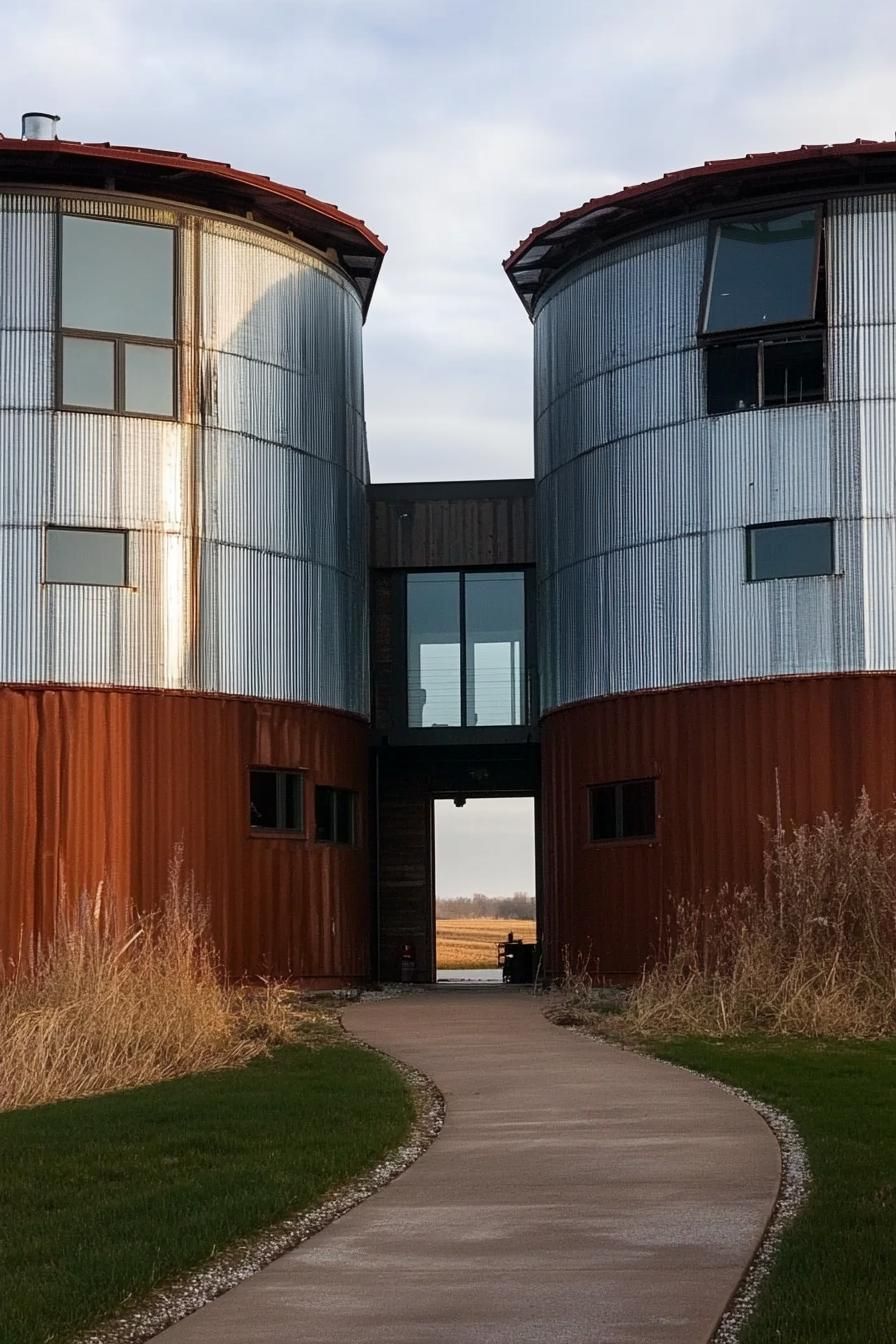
715 403
183 473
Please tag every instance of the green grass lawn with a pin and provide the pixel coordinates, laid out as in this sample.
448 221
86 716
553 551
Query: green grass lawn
103 1198
834 1279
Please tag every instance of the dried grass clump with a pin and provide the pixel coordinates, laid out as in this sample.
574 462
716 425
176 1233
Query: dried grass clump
813 954
107 1006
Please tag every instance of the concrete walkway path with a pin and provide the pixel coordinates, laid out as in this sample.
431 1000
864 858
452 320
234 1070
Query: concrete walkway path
577 1194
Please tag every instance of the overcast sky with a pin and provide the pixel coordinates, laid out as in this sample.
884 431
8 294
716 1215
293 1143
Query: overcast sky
453 127
487 845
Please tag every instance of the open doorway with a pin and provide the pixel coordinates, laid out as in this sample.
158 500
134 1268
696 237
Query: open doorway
484 883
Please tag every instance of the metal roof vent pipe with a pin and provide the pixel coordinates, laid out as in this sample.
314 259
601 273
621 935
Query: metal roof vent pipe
39 126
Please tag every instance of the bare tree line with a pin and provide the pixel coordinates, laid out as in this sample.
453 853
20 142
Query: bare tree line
478 906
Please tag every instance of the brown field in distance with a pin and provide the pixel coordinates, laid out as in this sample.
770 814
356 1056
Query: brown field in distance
467 944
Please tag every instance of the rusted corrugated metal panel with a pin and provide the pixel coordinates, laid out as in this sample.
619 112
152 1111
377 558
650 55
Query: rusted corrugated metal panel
103 784
722 755
445 532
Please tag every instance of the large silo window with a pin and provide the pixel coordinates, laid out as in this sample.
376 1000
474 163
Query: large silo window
764 312
116 317
790 550
763 272
91 555
466 643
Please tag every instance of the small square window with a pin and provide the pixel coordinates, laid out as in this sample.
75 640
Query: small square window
276 800
625 810
334 815
790 550
90 555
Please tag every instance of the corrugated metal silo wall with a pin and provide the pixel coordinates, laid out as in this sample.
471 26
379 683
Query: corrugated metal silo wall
105 784
246 516
642 501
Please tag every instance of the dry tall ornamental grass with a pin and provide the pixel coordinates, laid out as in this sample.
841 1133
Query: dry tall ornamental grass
107 1006
813 954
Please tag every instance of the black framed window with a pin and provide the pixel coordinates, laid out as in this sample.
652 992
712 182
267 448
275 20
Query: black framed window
276 800
116 317
763 271
91 555
334 815
623 810
790 550
746 375
764 312
466 648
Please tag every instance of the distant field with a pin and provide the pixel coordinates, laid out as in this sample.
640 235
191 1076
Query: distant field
465 944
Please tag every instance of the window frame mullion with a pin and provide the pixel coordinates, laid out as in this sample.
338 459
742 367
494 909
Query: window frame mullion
462 599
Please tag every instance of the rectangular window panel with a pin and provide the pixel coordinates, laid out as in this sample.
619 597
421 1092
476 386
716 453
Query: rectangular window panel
495 609
86 555
763 272
638 809
263 799
433 650
603 812
790 550
624 811
793 371
732 378
275 800
88 373
149 379
117 277
334 815
345 817
291 791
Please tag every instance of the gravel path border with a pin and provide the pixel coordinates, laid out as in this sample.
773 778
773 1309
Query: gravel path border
182 1296
796 1179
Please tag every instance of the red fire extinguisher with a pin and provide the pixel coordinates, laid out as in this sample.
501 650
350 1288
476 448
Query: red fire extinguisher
408 963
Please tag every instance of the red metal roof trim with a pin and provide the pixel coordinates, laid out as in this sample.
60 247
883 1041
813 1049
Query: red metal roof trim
348 233
630 198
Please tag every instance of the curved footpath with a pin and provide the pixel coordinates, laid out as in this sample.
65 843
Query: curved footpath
577 1193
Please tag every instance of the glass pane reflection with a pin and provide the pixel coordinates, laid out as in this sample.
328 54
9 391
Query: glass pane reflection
88 373
117 277
86 555
149 379
495 630
433 620
792 550
763 272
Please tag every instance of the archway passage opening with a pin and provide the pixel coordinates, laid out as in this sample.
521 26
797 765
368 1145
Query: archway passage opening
485 884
